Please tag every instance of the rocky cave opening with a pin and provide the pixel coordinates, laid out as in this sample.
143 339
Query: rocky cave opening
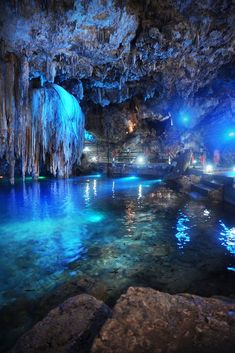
117 176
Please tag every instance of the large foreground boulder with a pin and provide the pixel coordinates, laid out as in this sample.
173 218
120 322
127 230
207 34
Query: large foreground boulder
71 327
145 320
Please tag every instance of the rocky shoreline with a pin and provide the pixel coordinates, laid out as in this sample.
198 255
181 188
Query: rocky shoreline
143 320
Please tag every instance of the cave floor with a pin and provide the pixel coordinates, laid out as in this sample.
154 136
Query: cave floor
96 235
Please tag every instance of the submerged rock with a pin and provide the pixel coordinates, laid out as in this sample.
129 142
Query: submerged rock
70 327
145 320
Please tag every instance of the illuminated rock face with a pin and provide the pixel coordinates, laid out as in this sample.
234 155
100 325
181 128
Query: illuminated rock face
39 127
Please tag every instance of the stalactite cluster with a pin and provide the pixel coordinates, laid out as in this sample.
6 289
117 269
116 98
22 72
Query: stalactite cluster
39 127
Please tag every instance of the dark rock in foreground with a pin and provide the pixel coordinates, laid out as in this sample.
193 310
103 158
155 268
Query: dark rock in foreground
145 320
70 327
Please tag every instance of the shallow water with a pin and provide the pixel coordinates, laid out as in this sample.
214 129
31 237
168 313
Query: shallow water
98 235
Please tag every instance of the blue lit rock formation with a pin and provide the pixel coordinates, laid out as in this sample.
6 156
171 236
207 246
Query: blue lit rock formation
57 129
40 128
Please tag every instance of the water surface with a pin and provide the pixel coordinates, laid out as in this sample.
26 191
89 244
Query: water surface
100 236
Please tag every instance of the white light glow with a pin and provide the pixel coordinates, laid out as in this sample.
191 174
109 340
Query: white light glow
209 168
140 160
206 213
86 149
140 190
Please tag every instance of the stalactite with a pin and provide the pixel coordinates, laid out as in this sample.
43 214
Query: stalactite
134 57
3 118
23 110
99 95
10 112
44 128
52 71
57 130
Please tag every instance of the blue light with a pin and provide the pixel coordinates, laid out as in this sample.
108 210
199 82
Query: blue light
227 238
231 134
231 269
129 178
184 118
89 136
182 231
94 175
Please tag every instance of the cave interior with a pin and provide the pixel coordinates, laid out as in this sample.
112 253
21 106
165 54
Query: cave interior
116 96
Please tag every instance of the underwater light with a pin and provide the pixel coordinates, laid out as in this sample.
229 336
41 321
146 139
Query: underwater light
209 168
140 160
42 177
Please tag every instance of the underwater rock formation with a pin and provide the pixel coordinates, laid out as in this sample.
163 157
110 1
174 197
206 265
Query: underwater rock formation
145 320
70 327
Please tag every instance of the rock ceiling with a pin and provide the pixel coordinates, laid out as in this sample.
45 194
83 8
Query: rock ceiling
110 51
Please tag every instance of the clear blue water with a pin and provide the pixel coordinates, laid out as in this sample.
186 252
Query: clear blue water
98 235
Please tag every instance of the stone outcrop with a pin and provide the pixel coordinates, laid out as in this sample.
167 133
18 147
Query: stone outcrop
145 320
70 327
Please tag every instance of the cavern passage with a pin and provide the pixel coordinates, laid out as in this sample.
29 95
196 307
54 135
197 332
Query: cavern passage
117 176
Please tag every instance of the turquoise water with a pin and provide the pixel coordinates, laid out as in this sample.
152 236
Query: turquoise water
98 235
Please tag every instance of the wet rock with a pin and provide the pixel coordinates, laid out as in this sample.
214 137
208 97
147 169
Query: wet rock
185 182
145 320
70 327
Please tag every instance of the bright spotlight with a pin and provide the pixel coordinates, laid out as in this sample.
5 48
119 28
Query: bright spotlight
233 169
185 118
231 134
140 160
94 159
209 168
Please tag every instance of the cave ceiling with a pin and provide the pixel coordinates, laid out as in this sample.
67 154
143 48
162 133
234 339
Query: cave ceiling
161 54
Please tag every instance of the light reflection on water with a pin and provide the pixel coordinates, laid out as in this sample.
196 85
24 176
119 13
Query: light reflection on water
47 225
109 234
227 237
182 234
108 230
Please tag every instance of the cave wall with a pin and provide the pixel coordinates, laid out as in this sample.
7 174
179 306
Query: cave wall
146 61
